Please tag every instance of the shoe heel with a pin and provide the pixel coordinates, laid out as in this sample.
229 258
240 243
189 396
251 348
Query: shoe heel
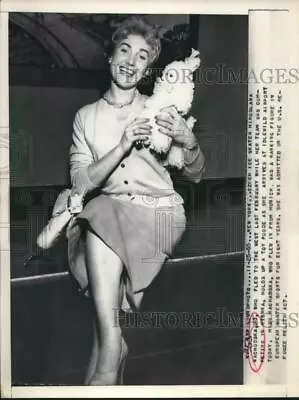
114 377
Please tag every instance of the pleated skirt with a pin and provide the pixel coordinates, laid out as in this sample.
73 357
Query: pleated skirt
142 236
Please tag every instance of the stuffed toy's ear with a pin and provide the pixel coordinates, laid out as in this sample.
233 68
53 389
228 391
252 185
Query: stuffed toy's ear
61 202
191 122
193 61
63 210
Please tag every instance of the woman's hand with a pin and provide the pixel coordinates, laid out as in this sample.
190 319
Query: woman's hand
172 124
137 130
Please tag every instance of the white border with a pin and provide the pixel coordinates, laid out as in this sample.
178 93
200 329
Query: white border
146 6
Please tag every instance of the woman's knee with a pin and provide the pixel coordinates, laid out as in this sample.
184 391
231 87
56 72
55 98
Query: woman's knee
96 248
104 266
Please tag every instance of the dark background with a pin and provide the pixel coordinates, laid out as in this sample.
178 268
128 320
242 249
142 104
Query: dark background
57 64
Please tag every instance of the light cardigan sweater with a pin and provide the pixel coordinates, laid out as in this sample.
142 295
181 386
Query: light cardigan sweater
97 128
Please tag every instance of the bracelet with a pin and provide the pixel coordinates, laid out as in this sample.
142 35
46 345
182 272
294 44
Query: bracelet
191 154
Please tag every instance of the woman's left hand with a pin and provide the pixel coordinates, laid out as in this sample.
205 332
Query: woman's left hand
172 124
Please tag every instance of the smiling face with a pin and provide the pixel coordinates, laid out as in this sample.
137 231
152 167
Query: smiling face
129 61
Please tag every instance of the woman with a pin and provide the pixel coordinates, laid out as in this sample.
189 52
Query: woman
130 228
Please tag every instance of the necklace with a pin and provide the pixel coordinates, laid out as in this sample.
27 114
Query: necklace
120 105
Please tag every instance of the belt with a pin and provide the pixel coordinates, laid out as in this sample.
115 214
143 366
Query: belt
148 200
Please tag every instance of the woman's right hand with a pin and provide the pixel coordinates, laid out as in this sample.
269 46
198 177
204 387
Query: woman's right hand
138 129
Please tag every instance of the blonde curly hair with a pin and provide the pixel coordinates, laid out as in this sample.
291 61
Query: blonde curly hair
138 25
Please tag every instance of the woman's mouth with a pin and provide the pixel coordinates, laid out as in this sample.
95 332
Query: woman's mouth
127 71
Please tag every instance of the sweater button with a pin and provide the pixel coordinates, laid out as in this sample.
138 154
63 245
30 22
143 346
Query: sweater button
122 165
126 182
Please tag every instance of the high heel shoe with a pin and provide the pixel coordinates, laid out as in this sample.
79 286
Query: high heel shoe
114 377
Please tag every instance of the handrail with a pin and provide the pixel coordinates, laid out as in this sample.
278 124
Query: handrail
57 276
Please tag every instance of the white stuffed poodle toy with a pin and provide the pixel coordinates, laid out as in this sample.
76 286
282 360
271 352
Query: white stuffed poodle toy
174 88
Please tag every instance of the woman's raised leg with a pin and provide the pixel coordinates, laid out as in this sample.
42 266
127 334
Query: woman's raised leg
105 270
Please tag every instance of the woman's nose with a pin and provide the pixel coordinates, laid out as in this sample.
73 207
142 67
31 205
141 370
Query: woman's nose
131 59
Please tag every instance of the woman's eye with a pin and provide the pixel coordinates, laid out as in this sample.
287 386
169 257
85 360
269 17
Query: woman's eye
123 50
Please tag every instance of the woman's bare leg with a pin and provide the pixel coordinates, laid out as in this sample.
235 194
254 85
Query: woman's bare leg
104 270
94 354
95 346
